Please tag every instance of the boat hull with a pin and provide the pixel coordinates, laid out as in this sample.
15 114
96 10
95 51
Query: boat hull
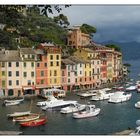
120 100
11 104
72 109
18 114
26 118
81 115
137 105
33 123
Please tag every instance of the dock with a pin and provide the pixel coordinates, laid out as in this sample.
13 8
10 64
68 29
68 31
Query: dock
125 132
10 132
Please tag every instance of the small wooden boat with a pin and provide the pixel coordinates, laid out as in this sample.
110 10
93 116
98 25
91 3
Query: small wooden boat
12 103
19 114
26 118
34 123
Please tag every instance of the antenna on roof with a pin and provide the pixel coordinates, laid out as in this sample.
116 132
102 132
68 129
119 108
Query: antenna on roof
33 47
18 47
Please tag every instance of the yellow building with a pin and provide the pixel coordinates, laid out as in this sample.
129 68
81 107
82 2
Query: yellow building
77 39
92 67
53 64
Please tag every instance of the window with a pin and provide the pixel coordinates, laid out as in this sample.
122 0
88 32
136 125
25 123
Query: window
3 64
51 57
57 57
63 73
68 73
98 62
33 56
10 83
85 79
38 64
80 79
55 80
55 73
50 81
80 65
75 80
85 73
32 64
57 63
32 74
28 56
9 73
75 73
24 64
50 73
29 82
42 82
3 73
9 64
68 80
17 73
68 67
24 74
17 64
17 82
51 64
42 73
45 64
90 73
3 83
98 70
80 72
85 65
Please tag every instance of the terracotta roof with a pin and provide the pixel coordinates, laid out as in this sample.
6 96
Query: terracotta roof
78 60
9 55
68 61
27 51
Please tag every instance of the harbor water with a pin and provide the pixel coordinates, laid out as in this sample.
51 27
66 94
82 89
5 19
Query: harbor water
113 117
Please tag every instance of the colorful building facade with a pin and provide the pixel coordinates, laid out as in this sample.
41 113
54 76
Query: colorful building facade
77 39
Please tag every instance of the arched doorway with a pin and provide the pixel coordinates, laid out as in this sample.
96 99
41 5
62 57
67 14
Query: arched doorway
10 92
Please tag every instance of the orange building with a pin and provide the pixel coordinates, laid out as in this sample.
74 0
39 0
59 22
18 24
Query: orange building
41 69
77 39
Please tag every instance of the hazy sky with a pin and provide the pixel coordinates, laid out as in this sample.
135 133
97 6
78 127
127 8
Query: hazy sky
117 23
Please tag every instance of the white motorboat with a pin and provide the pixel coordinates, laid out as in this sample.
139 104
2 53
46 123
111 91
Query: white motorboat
88 93
119 96
118 88
73 108
131 88
137 105
136 132
12 103
90 111
101 95
18 114
138 122
53 92
52 102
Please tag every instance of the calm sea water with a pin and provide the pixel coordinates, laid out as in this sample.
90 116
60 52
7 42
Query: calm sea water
113 117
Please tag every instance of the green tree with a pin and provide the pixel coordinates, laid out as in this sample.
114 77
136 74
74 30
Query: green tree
61 20
51 8
117 48
88 29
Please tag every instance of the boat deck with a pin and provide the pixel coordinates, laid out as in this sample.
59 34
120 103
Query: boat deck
125 132
86 94
10 132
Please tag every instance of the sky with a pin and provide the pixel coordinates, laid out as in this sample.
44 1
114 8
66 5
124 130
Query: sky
113 22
